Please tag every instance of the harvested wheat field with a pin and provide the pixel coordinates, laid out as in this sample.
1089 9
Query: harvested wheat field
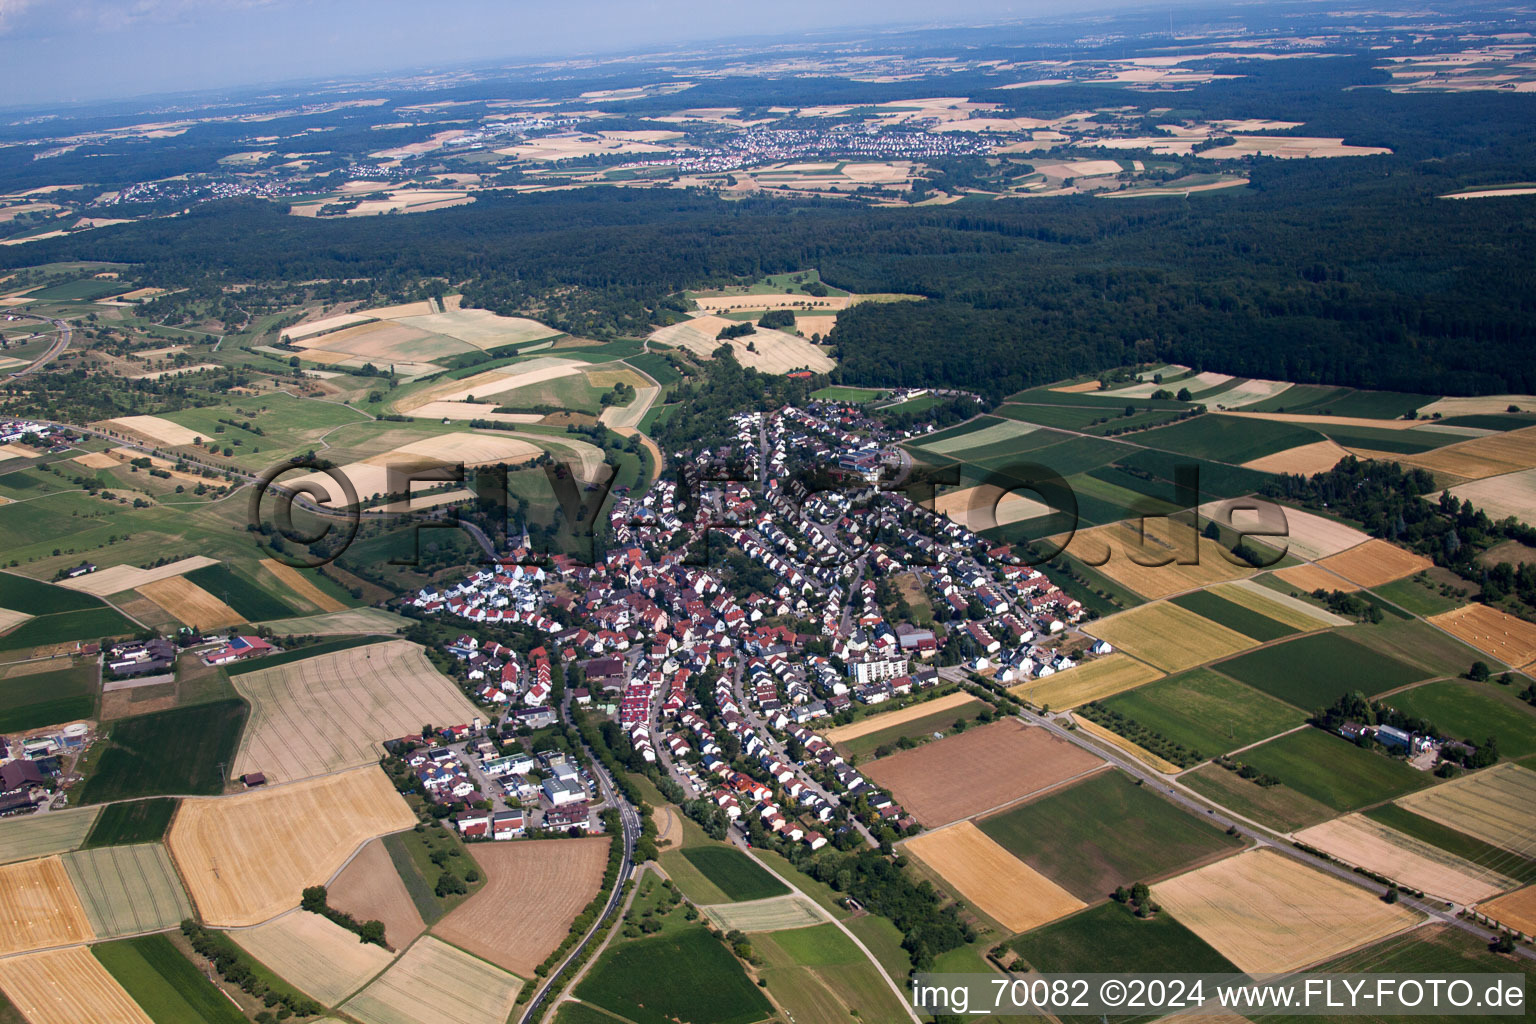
1168 636
38 835
1511 640
494 382
1486 405
767 300
775 914
1375 562
987 505
1001 886
67 986
533 892
875 723
340 623
116 579
190 604
300 584
433 983
1268 913
318 956
1497 805
938 782
1164 539
1283 608
1513 494
10 617
1303 534
330 323
1082 387
463 412
332 711
128 889
1309 577
1362 842
1482 456
369 888
39 907
482 328
245 858
95 460
777 351
1090 681
155 428
1517 910
372 476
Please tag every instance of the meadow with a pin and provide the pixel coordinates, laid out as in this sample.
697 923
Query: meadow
1206 711
164 983
1109 938
1334 771
734 873
1104 832
136 821
1473 711
1312 672
686 975
1279 807
48 698
165 752
1231 439
818 974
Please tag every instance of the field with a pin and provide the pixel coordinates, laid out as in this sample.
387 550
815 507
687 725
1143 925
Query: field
154 428
998 883
1234 439
685 976
370 889
1334 771
1292 611
734 873
1308 578
1268 913
67 986
1305 459
39 907
32 699
371 476
1496 805
38 835
1205 711
997 435
1482 456
1454 842
1375 562
818 974
1109 938
774 914
246 857
937 784
533 893
351 621
67 628
433 983
1511 640
1103 832
1090 681
1474 711
881 722
139 821
1517 910
128 889
1513 494
296 581
1219 610
1114 543
176 751
190 604
1168 636
1312 672
986 506
164 983
118 578
332 711
1279 807
315 955
1364 842
241 594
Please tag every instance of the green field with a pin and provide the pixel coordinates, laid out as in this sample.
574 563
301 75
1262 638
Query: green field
1104 832
240 593
183 751
88 625
1228 438
1314 671
734 873
822 945
858 396
1419 598
685 976
1473 711
138 821
1299 398
1216 479
1206 711
239 668
1334 771
1279 807
1385 439
37 598
164 983
917 728
85 289
1109 938
1233 616
573 1012
811 971
1451 840
48 698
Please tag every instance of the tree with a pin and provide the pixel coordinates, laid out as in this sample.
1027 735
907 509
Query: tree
1184 395
1479 672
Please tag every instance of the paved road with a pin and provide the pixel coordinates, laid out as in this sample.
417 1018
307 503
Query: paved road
54 350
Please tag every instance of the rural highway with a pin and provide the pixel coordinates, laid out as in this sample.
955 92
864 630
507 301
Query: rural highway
630 817
54 350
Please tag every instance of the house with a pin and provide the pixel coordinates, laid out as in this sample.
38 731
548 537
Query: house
473 824
570 816
80 570
253 779
238 649
20 775
559 792
508 824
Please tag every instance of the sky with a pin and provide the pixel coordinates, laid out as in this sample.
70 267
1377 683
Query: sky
70 50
